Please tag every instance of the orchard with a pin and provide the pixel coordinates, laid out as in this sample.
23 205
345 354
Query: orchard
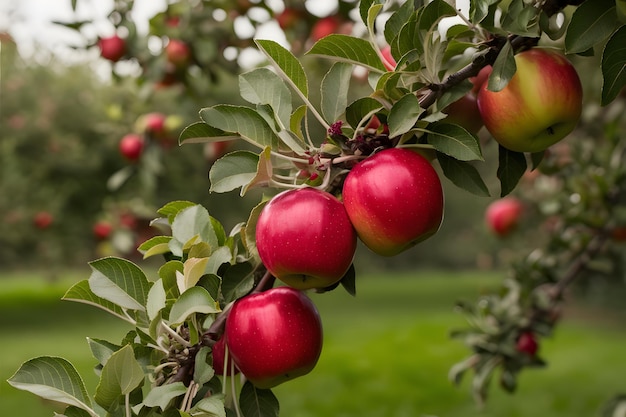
414 96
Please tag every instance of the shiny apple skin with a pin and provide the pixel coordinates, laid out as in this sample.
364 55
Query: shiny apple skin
274 336
394 199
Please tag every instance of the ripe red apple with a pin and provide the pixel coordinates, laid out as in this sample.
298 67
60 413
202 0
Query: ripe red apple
526 343
131 146
219 354
305 238
540 105
274 336
178 52
394 199
112 48
464 111
388 60
153 123
503 215
324 27
102 230
43 220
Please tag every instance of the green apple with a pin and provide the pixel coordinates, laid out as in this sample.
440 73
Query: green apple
540 105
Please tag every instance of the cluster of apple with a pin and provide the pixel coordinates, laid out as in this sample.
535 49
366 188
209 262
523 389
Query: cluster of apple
151 127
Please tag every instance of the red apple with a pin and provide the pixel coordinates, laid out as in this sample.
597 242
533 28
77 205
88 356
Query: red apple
503 215
43 220
274 336
178 52
219 356
154 123
464 111
394 199
305 238
388 60
526 343
540 105
324 27
112 48
102 230
131 146
289 18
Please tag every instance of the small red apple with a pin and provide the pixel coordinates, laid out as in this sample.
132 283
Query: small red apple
112 48
154 123
540 105
394 199
305 238
43 220
324 27
274 336
219 356
527 343
178 52
131 146
503 215
102 230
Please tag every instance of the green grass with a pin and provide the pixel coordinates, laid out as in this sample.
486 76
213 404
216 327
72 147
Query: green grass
386 353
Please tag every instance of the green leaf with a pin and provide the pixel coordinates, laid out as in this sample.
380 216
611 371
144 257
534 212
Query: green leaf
192 271
614 66
247 122
463 175
213 406
102 350
479 9
263 86
511 167
119 281
286 62
264 171
72 411
364 8
221 256
503 69
168 273
201 132
335 85
403 115
522 19
194 300
249 230
162 395
157 245
171 209
348 281
455 141
396 21
233 170
202 372
295 124
120 375
348 49
54 379
238 281
432 14
81 293
256 402
192 225
592 22
360 108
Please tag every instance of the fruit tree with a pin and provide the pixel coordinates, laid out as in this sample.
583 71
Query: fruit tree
338 166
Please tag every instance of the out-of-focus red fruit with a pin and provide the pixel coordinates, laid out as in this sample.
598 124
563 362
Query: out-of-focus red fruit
527 343
178 52
43 220
112 48
324 27
288 18
102 230
131 146
503 215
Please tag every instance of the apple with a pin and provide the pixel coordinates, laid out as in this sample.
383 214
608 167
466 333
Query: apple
153 123
527 343
503 215
131 146
394 199
215 150
289 18
274 336
219 353
388 60
305 239
540 105
324 27
43 220
464 112
102 230
112 48
177 52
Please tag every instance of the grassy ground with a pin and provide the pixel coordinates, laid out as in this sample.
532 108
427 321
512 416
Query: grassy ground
386 352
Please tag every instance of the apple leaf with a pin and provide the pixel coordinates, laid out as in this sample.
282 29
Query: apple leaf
396 21
522 19
614 66
102 350
248 235
167 273
364 8
286 63
334 93
361 108
295 123
247 122
455 141
194 300
403 115
171 209
512 166
212 406
72 411
192 225
255 402
54 379
463 175
161 396
157 245
233 170
503 69
264 86
263 174
120 375
201 132
479 9
238 281
432 13
119 177
348 281
592 22
348 49
81 293
119 281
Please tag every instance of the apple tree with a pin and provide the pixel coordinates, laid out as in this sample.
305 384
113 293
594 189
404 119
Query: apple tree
335 167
